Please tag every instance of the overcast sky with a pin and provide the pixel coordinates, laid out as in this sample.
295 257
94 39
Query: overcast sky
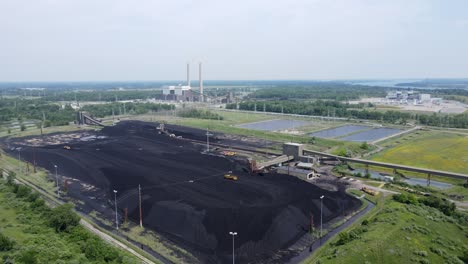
61 40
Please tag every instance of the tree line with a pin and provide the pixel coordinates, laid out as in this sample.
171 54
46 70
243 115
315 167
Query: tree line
358 111
321 90
54 114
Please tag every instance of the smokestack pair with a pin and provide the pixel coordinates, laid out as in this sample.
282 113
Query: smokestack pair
200 76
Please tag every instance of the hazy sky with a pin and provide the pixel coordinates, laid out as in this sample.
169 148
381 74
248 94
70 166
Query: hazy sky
305 39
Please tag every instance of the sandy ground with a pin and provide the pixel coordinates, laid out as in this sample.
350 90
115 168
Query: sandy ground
185 196
446 106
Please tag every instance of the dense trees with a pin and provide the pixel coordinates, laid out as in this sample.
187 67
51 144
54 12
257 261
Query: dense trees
55 114
62 218
443 205
53 235
101 110
36 109
337 109
320 90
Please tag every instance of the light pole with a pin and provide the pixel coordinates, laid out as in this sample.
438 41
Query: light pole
233 234
19 161
321 220
116 218
208 134
56 180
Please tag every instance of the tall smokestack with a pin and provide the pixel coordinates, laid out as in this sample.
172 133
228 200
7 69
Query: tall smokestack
201 80
188 74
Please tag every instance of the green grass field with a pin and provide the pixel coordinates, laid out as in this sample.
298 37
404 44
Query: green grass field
430 149
400 233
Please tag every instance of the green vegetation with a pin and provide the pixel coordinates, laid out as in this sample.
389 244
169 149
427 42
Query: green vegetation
103 110
31 232
105 96
359 111
400 233
319 90
53 114
36 109
199 113
434 150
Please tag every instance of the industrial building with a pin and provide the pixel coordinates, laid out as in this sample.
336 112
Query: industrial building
185 93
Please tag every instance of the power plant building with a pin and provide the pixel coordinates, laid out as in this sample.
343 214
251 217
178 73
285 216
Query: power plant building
184 92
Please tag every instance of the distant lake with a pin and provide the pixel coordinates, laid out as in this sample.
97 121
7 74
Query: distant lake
386 83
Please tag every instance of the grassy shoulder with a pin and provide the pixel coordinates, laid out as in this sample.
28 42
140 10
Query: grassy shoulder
399 233
31 232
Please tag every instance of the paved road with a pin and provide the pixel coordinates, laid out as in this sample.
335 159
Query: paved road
317 244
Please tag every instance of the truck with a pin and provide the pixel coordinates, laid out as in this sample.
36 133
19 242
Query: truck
230 176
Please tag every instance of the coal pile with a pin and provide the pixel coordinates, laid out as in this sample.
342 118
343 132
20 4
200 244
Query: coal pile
185 196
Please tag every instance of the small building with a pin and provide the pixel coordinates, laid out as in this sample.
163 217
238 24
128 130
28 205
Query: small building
424 97
304 165
306 175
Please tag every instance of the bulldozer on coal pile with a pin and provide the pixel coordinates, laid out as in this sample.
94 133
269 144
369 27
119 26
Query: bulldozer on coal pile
228 153
67 147
230 176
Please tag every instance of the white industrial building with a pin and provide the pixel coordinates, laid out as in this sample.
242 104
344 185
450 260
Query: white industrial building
184 92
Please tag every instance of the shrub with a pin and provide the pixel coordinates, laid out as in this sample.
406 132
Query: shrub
345 237
421 253
6 243
22 191
28 256
364 146
446 207
11 178
405 198
62 218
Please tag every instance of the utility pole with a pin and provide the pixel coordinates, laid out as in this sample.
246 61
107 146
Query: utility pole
43 120
116 218
233 234
139 198
56 180
321 219
19 161
34 159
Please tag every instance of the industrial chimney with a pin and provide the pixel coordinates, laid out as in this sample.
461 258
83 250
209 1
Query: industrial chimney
188 74
201 80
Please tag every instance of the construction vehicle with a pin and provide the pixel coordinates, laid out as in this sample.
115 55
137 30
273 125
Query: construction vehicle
230 176
229 153
369 191
67 147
